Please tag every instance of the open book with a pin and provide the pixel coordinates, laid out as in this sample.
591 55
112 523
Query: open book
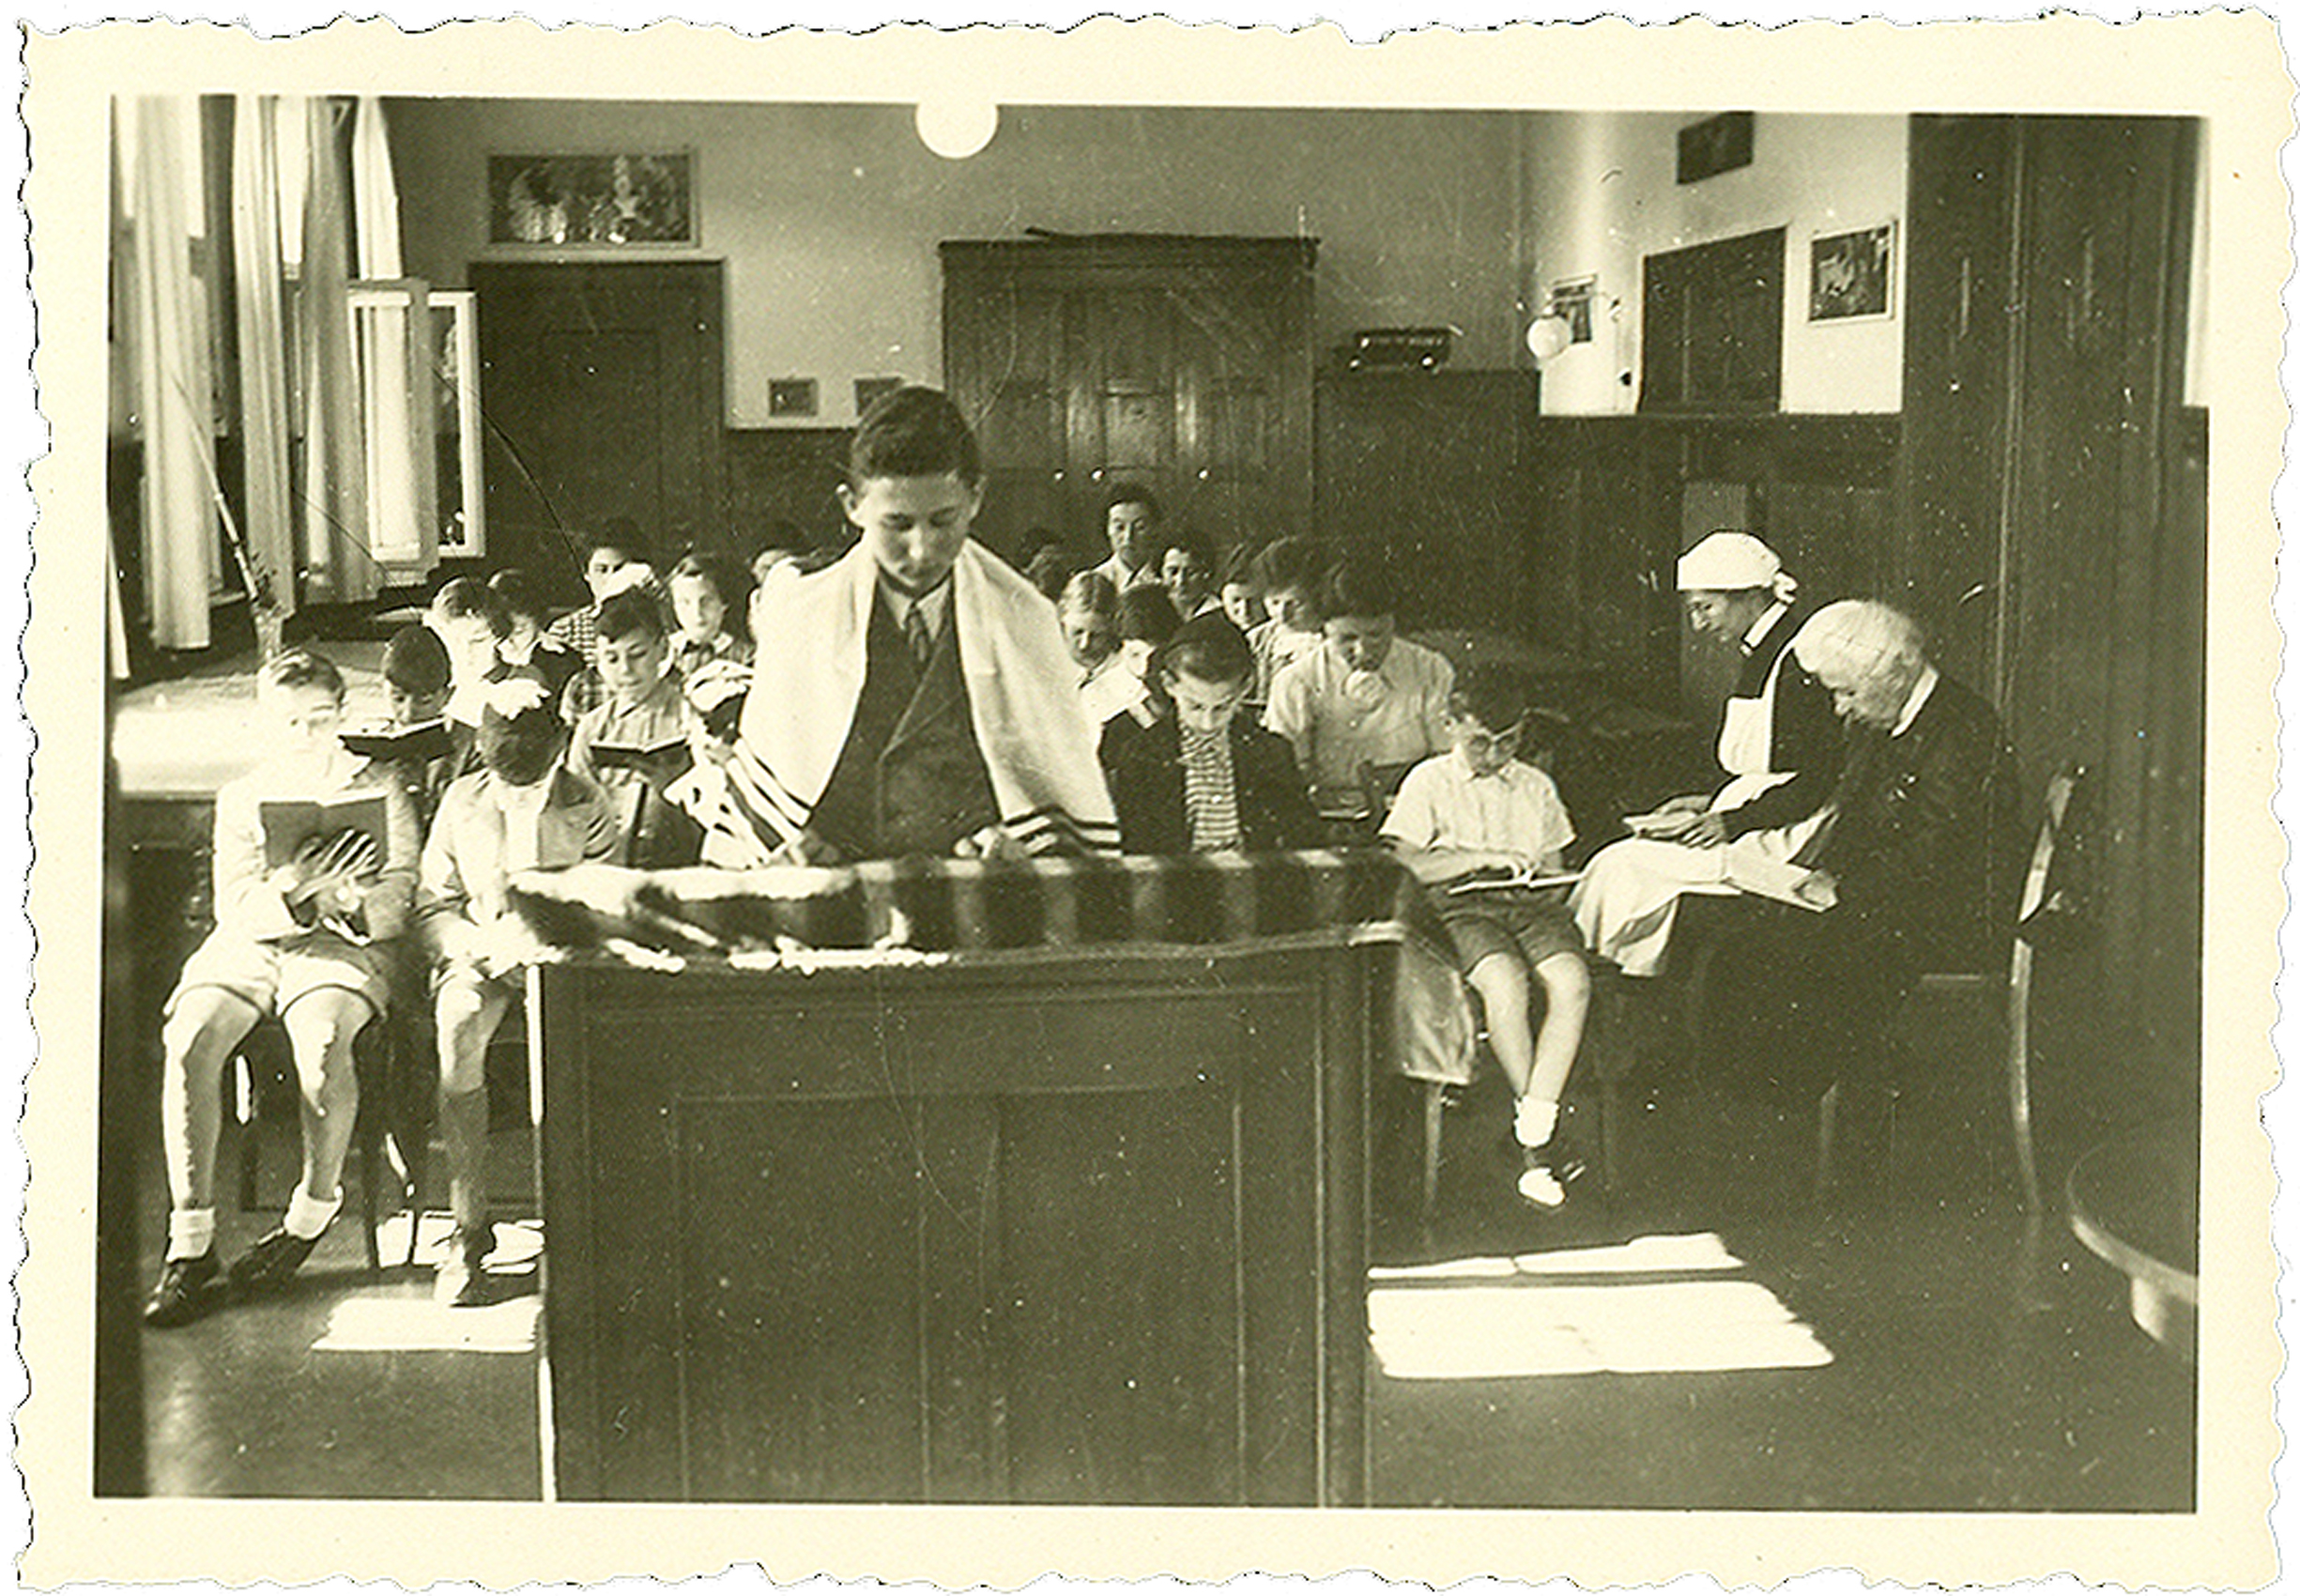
657 764
425 741
289 822
1767 877
1661 823
1510 881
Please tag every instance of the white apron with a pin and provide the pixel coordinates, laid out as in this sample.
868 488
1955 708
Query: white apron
1626 903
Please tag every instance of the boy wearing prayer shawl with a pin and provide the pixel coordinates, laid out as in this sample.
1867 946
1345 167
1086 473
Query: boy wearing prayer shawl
915 697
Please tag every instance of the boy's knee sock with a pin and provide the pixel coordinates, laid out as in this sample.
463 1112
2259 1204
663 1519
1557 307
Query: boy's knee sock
463 1126
307 1214
1537 1120
192 1232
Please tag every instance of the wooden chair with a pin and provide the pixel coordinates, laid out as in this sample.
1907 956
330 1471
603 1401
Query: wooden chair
2042 898
389 1083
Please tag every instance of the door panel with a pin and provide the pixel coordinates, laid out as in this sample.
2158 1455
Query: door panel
602 391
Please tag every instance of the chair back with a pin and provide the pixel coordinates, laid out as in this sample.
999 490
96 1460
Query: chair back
2045 895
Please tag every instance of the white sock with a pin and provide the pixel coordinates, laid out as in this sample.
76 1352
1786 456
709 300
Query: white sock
191 1233
307 1214
1537 1120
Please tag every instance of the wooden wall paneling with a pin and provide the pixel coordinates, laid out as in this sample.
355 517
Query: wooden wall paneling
1180 364
784 475
1961 297
1432 472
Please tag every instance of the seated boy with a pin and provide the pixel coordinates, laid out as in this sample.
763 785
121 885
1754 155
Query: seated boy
1187 571
642 709
735 835
1188 772
307 940
614 561
1474 808
915 697
521 810
1367 695
416 675
526 644
470 621
1285 577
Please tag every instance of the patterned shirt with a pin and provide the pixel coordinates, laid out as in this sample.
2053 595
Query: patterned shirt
1210 790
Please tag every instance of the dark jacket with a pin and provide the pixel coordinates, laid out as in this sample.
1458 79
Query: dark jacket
1926 845
1144 767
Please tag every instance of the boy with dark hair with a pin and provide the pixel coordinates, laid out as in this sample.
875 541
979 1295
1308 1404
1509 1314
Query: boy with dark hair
307 938
915 697
521 810
614 561
1130 517
1476 809
1366 697
1286 576
417 676
526 643
1195 774
1188 574
642 710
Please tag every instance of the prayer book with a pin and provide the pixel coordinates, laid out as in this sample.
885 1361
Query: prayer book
424 742
657 764
1497 880
1777 879
1661 823
289 822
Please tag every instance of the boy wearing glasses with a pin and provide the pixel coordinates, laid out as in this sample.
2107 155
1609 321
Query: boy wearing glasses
1477 809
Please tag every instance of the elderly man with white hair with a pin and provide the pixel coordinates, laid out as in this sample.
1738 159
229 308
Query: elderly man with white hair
1777 726
1916 851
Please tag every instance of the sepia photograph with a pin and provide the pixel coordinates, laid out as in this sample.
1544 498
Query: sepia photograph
955 797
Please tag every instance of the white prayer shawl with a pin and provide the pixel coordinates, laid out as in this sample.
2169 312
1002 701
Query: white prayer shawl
1020 692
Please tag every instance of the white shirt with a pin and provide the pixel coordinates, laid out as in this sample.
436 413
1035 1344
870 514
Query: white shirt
1917 695
1515 810
1408 722
930 606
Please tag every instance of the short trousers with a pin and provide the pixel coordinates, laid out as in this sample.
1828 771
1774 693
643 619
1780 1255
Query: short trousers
1539 927
270 977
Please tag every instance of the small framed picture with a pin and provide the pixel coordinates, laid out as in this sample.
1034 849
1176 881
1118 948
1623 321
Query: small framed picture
1575 299
1852 275
869 391
593 202
791 396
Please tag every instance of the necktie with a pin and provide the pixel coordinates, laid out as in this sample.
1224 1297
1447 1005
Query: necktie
920 635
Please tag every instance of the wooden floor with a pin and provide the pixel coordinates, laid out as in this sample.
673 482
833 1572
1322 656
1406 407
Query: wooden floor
1967 1371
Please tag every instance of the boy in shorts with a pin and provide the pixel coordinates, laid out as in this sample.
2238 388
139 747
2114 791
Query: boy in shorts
308 941
521 810
1476 809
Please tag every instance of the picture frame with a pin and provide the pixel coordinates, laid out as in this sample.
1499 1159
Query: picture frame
1575 299
1852 275
590 202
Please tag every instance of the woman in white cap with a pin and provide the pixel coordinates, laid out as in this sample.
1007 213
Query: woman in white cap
1778 725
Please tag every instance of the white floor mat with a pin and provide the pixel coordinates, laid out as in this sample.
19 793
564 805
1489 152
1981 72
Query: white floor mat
1525 1328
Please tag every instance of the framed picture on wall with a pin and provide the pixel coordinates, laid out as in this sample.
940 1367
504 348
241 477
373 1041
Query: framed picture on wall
1575 299
1852 275
593 202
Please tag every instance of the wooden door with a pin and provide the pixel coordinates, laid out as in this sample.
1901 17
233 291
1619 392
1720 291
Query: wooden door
602 387
1179 363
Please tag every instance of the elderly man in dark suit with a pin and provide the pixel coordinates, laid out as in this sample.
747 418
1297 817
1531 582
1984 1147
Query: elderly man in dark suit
1916 855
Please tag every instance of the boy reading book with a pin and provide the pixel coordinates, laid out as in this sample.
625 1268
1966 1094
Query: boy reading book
642 724
306 939
1473 809
521 810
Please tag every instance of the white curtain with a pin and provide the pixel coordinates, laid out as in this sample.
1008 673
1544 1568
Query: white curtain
337 560
260 285
156 157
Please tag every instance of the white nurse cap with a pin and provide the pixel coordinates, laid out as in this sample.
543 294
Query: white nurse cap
1730 561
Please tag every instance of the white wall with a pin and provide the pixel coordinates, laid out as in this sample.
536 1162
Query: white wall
1601 194
828 216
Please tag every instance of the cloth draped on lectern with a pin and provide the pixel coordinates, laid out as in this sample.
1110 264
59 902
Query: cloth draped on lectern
981 909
